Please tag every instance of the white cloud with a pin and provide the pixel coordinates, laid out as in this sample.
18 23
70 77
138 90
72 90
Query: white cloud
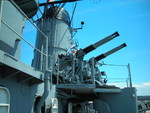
142 89
118 84
146 84
137 86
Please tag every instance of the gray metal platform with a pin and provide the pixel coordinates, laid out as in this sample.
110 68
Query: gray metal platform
89 88
11 67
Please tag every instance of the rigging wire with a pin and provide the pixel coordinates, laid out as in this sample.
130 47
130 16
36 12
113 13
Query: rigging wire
73 14
40 11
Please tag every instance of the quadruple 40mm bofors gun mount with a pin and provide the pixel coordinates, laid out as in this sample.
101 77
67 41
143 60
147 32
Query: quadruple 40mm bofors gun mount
73 69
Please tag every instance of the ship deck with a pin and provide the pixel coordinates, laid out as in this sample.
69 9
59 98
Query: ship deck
11 67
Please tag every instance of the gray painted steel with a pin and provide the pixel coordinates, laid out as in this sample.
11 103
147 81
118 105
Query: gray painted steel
21 80
54 84
9 41
59 37
123 102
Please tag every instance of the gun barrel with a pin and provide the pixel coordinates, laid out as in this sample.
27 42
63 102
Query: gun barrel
110 52
99 43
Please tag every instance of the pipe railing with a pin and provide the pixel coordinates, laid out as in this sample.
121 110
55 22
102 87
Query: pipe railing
46 77
128 80
6 24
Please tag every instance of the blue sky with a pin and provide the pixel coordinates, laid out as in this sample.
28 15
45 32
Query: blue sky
131 18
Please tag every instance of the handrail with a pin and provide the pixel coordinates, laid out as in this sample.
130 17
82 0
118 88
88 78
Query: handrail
22 38
17 32
128 79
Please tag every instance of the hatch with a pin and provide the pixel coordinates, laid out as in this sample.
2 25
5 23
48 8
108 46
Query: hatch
5 100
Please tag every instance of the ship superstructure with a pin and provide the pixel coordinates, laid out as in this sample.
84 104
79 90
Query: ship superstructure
59 80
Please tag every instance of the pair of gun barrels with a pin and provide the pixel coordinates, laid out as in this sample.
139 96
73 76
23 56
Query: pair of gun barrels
92 47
